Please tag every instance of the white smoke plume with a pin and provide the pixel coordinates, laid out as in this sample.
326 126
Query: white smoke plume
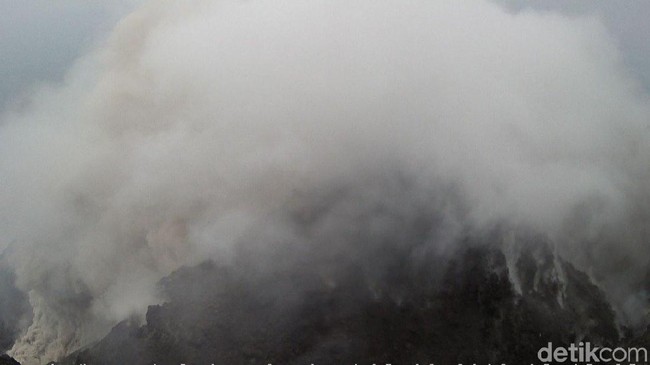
199 119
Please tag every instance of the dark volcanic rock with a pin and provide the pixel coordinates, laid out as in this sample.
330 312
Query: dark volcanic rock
14 307
7 360
463 310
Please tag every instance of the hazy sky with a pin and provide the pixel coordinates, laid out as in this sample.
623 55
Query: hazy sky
40 39
626 20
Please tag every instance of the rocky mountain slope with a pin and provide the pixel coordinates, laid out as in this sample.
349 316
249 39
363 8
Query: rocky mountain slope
473 313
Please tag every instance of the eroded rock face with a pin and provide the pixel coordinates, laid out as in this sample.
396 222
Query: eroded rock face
461 309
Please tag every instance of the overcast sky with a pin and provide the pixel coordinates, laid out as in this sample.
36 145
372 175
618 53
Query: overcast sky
40 39
626 20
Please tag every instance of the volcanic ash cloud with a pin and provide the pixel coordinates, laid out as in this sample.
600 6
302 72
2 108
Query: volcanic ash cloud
199 120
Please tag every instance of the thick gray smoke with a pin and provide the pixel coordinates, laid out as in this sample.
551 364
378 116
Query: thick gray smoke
199 121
